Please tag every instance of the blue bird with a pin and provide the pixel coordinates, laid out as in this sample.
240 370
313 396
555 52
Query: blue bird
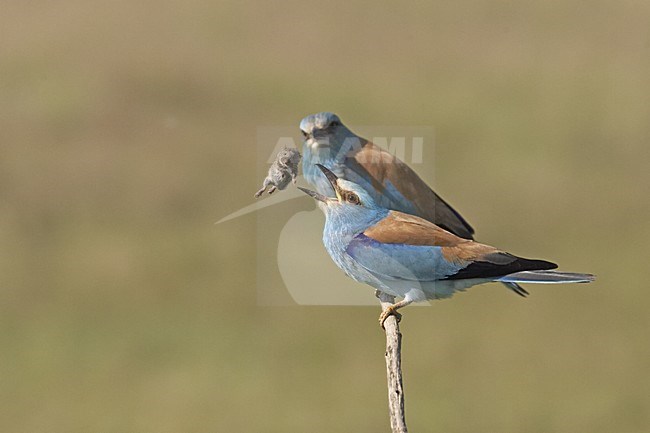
389 181
409 257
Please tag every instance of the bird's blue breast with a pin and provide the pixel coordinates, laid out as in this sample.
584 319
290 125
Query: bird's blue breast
312 173
340 230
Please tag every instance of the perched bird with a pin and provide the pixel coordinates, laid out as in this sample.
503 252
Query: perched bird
283 170
409 257
389 181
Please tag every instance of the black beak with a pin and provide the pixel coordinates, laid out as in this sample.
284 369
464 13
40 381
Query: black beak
314 194
331 177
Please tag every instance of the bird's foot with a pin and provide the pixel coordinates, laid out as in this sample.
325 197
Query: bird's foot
391 310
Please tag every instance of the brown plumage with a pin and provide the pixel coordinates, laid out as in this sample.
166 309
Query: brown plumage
401 228
480 260
383 167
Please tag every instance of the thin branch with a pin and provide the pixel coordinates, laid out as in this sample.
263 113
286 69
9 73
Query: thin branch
394 368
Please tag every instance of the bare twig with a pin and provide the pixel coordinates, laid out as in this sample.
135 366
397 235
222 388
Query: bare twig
394 368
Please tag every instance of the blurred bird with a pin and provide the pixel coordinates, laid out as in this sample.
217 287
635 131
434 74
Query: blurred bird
409 257
389 181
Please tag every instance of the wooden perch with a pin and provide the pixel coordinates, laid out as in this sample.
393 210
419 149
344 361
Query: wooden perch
394 368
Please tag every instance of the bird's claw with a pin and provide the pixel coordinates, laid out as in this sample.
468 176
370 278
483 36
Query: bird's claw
389 311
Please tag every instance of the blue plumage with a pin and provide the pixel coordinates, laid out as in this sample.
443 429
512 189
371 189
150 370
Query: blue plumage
412 258
400 261
389 181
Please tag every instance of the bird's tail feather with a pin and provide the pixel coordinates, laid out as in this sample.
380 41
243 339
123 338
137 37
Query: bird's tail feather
547 277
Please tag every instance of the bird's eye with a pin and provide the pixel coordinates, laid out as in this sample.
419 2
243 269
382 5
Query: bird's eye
352 198
333 124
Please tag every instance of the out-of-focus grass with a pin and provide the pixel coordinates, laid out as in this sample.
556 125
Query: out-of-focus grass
128 128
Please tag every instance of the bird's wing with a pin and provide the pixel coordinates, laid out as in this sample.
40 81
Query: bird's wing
400 261
407 247
395 180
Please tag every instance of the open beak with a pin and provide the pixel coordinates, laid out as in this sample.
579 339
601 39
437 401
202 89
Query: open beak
314 194
331 177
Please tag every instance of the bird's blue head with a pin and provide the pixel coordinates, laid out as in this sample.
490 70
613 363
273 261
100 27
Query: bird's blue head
325 131
316 124
327 142
352 208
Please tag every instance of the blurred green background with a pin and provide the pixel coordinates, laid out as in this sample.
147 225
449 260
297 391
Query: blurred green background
128 128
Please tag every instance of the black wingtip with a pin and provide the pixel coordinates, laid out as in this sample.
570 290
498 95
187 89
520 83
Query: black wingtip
500 264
